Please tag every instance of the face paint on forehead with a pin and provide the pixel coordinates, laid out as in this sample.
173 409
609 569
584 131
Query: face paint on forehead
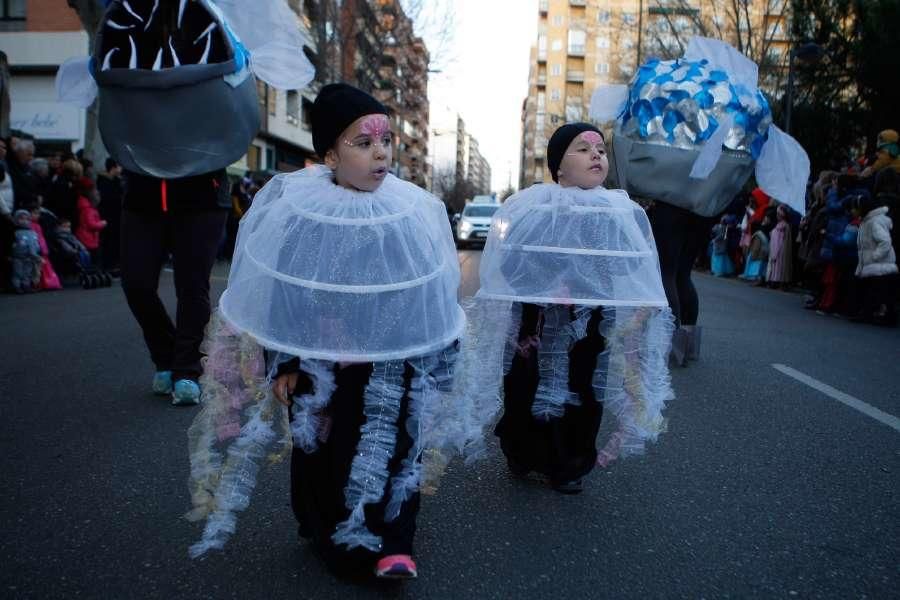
375 125
591 137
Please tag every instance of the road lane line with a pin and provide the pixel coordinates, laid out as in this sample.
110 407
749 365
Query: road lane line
855 403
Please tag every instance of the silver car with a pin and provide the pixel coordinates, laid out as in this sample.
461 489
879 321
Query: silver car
474 223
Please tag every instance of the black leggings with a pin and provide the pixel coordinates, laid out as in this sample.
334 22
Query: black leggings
680 237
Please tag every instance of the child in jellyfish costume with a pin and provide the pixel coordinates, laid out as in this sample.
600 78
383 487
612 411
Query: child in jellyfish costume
574 319
347 276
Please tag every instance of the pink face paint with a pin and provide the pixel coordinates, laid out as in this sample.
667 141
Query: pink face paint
594 139
375 125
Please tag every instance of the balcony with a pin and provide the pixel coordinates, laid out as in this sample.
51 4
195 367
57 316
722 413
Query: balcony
673 11
575 76
577 2
544 6
542 56
542 80
576 50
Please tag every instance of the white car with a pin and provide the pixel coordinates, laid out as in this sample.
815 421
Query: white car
474 223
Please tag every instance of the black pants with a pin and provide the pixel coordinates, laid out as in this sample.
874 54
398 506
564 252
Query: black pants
878 292
192 238
680 238
562 448
318 480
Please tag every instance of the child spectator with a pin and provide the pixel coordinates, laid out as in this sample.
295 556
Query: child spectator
877 267
779 270
26 255
48 278
758 252
89 222
721 264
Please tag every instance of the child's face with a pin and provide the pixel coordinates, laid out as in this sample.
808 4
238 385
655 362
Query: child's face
64 226
362 154
36 215
585 164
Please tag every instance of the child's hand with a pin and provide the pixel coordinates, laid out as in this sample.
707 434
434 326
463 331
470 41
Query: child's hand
283 387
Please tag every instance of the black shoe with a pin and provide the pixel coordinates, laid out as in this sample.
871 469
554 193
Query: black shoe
569 487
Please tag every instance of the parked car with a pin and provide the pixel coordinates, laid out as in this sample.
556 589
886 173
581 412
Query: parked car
474 223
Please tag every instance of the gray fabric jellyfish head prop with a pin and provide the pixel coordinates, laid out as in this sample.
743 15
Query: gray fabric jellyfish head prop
691 131
176 86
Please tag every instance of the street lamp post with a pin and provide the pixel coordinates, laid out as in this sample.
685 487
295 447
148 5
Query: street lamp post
808 53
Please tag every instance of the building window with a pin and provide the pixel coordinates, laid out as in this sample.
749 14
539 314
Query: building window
293 107
541 100
555 95
601 68
577 40
603 16
557 45
542 42
539 173
558 20
12 10
603 42
539 122
556 70
307 114
629 18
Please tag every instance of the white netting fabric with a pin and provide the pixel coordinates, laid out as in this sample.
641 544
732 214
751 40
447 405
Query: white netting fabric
558 247
378 270
555 245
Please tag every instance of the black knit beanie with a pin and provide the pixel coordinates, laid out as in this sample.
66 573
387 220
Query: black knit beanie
336 107
560 141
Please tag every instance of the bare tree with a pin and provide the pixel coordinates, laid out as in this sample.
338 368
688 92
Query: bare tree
90 12
756 28
435 22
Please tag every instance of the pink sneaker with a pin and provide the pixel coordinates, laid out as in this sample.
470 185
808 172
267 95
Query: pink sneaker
396 566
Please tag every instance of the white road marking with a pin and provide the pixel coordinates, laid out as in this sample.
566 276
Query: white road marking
855 403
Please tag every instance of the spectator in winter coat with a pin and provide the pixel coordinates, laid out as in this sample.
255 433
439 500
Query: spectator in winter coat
48 279
18 165
111 189
89 222
877 267
838 251
26 255
779 271
887 155
63 199
887 193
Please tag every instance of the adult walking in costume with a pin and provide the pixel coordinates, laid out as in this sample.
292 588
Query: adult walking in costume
688 133
178 104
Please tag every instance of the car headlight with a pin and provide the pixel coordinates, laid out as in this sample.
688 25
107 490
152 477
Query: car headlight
465 226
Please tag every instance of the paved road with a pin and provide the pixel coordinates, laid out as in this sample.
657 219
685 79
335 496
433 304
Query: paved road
764 487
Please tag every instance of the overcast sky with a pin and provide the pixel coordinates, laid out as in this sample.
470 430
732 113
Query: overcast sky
488 78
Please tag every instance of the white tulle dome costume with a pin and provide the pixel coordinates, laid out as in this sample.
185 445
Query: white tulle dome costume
331 276
574 251
379 268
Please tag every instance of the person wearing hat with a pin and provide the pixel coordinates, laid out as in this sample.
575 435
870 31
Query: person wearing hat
887 153
348 277
588 323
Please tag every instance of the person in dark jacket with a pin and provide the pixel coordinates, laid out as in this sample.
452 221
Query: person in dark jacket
111 189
